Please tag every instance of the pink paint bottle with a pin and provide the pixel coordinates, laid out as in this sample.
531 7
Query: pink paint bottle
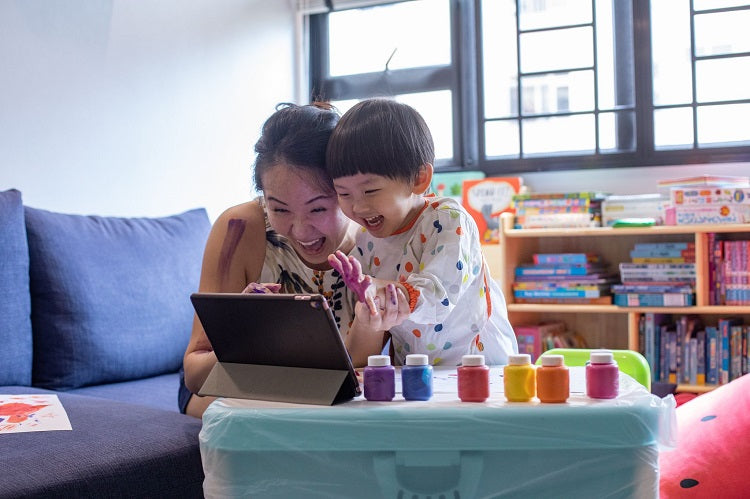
473 379
602 375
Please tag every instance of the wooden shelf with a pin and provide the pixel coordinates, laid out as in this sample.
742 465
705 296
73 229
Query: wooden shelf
606 326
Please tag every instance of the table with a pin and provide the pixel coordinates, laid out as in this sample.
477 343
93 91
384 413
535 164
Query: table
441 448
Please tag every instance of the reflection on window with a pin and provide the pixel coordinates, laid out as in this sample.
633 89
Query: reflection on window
562 54
701 92
364 40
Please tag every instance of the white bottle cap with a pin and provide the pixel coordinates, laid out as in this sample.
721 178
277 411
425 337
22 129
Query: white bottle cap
416 359
378 360
553 360
519 359
601 357
472 360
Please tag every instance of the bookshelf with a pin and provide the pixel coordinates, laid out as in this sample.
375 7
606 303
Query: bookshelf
606 326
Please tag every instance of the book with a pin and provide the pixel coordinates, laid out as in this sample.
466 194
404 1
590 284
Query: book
712 353
583 278
715 213
559 293
629 287
724 326
709 195
553 258
653 299
652 330
531 336
700 377
617 207
705 180
450 184
663 246
485 199
602 300
567 269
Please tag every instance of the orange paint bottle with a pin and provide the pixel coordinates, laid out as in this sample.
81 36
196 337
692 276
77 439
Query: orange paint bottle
553 380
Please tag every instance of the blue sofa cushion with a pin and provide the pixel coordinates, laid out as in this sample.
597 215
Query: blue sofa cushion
110 297
15 302
113 450
156 391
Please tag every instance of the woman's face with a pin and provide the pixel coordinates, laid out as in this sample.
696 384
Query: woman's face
304 210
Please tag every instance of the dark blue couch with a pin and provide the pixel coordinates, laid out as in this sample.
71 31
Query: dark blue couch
96 310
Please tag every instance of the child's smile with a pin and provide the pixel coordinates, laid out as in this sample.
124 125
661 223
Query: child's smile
380 204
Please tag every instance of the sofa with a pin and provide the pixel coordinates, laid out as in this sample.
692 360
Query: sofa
96 311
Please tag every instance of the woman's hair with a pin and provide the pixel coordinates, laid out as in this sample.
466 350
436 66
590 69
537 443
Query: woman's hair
383 137
296 136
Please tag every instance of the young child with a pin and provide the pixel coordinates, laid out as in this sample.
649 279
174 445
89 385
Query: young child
380 157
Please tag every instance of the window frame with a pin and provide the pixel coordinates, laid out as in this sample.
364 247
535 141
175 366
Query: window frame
464 78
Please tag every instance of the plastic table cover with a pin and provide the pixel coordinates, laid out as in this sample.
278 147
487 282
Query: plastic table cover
440 448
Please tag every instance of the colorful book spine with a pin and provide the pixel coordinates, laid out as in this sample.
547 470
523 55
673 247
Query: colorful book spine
562 269
654 300
701 358
554 258
692 369
712 353
561 293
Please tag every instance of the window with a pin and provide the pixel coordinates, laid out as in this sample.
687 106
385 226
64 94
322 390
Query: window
509 86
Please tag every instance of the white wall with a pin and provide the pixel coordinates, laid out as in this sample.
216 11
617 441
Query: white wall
138 108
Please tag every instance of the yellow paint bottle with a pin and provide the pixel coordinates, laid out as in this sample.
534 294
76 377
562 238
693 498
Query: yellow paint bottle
519 378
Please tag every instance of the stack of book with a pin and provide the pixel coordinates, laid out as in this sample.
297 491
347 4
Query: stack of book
563 278
707 199
618 207
535 339
659 275
681 350
557 210
728 271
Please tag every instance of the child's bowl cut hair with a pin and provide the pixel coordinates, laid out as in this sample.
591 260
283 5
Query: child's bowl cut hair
381 137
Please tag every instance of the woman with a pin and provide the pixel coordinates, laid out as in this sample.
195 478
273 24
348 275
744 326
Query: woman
285 237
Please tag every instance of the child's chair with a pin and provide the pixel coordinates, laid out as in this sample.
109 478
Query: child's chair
630 362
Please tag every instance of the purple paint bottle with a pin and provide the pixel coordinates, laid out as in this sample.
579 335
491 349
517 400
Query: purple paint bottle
602 375
379 378
416 377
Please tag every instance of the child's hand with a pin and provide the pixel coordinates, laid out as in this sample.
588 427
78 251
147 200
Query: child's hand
392 309
262 287
351 272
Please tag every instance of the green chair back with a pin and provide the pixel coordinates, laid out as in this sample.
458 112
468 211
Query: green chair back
630 362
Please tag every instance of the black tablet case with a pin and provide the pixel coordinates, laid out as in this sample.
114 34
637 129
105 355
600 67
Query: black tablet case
278 347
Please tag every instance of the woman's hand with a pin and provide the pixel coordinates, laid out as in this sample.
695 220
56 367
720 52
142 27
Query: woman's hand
262 287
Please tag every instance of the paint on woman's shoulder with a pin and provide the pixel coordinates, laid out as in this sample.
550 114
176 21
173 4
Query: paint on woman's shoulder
235 230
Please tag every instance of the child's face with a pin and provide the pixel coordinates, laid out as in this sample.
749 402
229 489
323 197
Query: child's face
302 209
380 204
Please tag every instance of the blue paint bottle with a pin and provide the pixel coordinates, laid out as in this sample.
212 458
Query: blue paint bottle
379 378
416 378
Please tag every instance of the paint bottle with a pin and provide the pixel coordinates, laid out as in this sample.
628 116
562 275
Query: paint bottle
553 380
473 379
379 378
416 378
602 375
519 378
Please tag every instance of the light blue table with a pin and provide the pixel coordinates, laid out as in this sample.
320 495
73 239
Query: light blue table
441 448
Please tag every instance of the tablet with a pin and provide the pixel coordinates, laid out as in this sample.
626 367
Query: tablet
281 347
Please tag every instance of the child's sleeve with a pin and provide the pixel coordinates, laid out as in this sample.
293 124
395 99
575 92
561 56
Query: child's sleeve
450 262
